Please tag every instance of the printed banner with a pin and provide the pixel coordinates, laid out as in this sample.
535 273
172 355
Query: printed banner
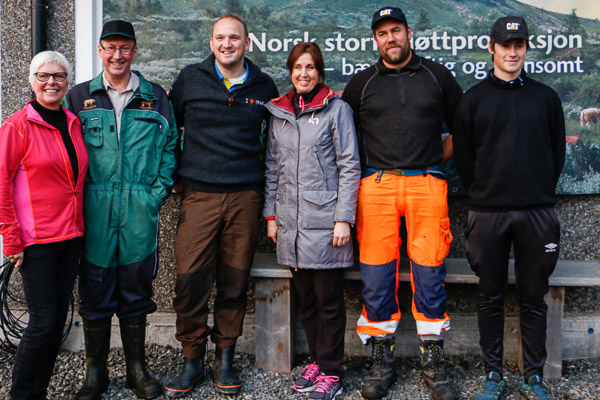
564 53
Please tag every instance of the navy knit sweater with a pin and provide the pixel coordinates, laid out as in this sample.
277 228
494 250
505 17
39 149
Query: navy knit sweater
221 130
509 144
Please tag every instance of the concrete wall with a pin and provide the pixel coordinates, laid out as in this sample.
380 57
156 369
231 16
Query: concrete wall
579 215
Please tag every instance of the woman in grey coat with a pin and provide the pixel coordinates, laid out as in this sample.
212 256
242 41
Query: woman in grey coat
313 175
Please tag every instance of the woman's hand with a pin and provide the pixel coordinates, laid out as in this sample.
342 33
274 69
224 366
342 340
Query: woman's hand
341 233
272 230
16 259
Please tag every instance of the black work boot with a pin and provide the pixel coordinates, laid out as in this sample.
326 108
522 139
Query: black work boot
97 345
226 380
133 336
193 372
434 370
383 372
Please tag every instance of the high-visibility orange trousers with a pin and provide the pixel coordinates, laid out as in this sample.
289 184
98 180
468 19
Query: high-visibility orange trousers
422 200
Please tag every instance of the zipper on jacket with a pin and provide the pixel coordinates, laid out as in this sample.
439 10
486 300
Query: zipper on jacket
230 97
297 194
402 94
320 165
151 120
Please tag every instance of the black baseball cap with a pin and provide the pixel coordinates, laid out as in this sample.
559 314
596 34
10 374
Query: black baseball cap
508 28
388 12
118 27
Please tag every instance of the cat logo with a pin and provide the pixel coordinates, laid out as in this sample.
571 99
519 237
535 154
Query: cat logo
512 26
147 105
387 11
88 104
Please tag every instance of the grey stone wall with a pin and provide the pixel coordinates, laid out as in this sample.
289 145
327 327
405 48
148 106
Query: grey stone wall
16 46
579 215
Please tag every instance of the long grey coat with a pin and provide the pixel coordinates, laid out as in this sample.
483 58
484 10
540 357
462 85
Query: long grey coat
313 175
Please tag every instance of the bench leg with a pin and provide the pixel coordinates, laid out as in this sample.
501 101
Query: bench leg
275 316
555 299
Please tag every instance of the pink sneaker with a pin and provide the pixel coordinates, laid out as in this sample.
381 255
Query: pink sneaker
328 388
308 381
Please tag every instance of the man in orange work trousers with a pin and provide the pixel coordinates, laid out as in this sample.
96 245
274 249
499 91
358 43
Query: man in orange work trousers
400 105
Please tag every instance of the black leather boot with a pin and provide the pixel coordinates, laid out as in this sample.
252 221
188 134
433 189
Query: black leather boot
383 372
434 370
97 345
193 372
133 336
226 380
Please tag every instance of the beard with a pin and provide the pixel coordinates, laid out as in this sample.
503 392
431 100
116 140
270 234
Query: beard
394 59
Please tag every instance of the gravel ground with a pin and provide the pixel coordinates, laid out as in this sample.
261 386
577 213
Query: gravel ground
581 378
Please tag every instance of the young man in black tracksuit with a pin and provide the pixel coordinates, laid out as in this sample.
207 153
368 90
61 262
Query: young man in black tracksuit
509 146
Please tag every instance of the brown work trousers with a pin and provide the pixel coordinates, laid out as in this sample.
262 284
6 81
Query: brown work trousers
217 236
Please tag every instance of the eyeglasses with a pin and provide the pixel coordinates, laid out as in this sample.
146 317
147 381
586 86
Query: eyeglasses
110 50
45 76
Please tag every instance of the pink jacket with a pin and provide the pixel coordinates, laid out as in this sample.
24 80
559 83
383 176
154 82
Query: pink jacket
39 200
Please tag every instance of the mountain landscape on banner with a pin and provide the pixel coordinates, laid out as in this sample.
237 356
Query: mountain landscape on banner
565 51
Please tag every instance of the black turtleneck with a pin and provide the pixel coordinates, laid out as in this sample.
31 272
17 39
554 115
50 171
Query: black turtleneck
58 119
518 81
302 100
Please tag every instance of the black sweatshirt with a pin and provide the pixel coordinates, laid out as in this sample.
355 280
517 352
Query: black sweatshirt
221 143
399 114
509 144
58 119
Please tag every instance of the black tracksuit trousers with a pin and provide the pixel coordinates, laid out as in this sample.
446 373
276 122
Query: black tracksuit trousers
323 315
535 236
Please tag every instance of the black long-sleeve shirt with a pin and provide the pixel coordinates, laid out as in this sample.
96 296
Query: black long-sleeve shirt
509 144
399 113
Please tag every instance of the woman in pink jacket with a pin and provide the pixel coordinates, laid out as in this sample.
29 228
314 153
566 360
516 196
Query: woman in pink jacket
43 163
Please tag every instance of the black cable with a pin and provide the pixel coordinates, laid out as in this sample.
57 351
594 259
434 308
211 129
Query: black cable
12 324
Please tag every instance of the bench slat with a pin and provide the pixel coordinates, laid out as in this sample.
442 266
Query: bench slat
567 273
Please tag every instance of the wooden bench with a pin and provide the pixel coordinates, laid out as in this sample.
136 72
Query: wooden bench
275 308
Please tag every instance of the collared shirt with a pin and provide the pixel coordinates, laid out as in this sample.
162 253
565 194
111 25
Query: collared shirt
120 99
233 83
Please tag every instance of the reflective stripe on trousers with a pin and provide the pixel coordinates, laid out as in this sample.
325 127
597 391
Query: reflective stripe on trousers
422 201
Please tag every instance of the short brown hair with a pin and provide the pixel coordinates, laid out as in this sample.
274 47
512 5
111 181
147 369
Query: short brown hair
314 51
238 19
493 45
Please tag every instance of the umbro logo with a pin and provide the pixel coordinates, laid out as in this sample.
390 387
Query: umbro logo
551 247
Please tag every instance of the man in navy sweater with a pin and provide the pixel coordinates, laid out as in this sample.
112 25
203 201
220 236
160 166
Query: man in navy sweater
509 148
219 103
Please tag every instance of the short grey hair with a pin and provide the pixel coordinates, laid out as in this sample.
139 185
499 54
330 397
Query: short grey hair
49 57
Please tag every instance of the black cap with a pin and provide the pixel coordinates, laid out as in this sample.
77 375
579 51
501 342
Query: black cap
118 27
388 12
508 28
